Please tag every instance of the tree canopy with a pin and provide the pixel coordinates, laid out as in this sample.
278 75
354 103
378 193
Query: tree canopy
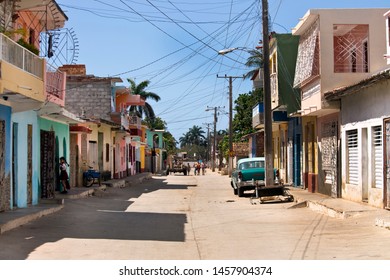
140 90
194 136
242 120
254 61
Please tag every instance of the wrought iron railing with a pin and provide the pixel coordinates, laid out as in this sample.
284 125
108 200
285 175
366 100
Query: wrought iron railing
55 82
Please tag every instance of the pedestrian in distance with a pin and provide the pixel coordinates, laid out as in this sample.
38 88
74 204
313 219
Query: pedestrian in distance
198 168
64 176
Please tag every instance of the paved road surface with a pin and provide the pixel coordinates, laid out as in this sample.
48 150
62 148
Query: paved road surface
190 218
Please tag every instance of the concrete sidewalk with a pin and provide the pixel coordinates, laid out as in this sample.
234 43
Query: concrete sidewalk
340 208
20 216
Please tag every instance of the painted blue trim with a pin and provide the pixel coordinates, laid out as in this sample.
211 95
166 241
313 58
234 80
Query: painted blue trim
24 119
5 114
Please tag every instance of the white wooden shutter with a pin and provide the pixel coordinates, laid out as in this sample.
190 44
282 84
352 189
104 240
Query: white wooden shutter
353 157
378 156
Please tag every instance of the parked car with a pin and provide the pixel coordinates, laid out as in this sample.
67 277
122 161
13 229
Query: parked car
248 173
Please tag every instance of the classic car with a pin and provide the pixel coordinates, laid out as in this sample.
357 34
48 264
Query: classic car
248 173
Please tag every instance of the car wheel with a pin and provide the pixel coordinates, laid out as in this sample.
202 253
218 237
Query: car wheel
240 192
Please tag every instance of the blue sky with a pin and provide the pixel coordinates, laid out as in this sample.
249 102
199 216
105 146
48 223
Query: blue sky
174 44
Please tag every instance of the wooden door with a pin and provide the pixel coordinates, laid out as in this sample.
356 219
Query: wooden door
29 162
329 157
48 170
3 185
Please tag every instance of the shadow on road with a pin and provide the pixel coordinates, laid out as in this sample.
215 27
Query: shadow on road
105 217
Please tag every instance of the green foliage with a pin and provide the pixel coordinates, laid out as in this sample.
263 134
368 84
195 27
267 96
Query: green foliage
223 148
28 46
140 90
254 61
194 142
156 123
170 143
194 136
242 121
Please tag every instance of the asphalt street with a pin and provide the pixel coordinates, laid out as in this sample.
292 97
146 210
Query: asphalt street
191 218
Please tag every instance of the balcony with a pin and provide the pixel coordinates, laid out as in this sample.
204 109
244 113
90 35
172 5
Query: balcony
134 122
22 76
258 116
20 57
55 85
258 79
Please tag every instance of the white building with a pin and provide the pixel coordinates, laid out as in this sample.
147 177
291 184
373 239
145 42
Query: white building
365 133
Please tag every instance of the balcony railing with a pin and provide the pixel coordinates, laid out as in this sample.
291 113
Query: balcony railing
131 122
20 57
55 82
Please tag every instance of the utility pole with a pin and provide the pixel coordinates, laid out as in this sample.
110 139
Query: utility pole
215 135
208 141
230 166
268 148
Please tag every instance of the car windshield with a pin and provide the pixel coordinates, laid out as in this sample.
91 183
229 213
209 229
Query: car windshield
251 164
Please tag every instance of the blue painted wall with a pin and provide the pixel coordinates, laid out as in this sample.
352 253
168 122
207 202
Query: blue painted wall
5 114
6 189
150 134
23 119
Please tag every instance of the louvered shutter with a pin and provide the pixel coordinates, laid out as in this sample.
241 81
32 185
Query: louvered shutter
378 157
353 157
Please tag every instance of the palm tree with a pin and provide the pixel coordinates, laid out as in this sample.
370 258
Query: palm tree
140 90
255 61
194 136
194 142
184 140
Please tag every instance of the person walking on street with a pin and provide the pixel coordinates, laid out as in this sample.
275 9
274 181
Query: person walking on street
198 168
203 166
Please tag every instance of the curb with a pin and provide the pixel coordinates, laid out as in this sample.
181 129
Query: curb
324 209
24 219
331 212
18 217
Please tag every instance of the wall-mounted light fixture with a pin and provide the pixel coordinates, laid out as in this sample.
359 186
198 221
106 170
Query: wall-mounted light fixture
25 87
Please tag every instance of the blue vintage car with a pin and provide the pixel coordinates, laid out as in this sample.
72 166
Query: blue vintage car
249 173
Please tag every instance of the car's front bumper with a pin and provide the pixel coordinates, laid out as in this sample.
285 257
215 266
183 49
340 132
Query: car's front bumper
250 185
